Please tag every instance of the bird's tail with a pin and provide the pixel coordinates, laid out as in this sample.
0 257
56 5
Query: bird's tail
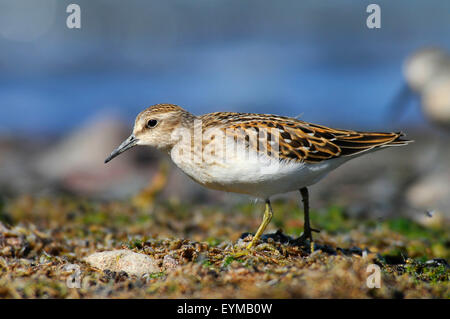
361 142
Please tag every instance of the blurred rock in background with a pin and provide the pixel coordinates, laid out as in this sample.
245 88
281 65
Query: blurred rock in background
74 164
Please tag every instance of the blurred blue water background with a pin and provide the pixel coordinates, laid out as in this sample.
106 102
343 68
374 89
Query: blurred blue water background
314 58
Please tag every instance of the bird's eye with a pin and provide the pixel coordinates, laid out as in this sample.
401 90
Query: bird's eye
152 123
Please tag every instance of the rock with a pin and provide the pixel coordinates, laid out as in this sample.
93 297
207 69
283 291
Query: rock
123 260
76 162
84 149
432 193
431 218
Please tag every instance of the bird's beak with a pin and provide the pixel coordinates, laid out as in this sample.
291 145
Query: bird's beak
126 145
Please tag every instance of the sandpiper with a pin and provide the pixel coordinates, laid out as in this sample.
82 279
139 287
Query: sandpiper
427 76
256 154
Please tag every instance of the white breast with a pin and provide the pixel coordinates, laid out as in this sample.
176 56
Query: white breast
248 172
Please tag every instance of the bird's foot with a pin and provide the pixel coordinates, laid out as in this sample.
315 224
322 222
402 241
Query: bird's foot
244 251
241 253
306 239
253 243
307 234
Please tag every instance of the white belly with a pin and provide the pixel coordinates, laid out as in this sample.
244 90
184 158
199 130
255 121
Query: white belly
254 175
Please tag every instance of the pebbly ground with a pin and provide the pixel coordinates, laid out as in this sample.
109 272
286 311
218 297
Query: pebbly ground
198 251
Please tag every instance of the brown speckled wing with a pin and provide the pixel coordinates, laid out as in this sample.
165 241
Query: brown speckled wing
298 140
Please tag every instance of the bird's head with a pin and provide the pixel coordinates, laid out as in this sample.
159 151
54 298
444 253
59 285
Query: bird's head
155 126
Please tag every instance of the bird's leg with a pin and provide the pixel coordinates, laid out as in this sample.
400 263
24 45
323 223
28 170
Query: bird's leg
266 220
307 231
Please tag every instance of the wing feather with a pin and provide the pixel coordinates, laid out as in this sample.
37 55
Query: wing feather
299 140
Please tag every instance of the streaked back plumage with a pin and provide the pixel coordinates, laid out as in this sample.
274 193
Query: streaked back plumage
299 140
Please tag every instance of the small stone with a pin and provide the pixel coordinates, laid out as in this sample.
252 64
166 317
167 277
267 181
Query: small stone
123 260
